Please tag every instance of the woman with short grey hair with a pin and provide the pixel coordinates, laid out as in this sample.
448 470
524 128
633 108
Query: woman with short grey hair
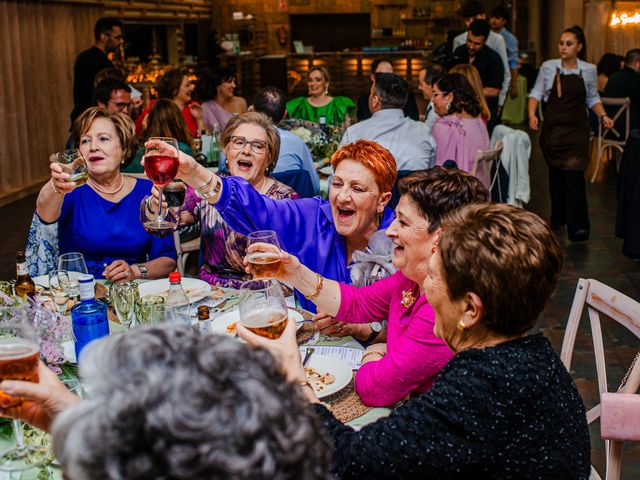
168 402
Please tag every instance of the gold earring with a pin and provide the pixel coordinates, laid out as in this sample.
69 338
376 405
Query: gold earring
461 326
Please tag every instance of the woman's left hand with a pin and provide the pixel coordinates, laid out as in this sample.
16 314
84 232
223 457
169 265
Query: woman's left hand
196 110
118 271
607 122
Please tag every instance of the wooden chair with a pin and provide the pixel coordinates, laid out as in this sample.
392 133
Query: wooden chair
184 250
600 298
611 138
486 166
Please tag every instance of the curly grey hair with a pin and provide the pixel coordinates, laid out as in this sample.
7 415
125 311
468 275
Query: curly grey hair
170 403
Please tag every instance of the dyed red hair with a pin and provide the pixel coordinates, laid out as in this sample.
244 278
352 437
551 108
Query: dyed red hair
373 156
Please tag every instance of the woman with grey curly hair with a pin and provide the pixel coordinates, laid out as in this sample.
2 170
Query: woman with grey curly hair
168 402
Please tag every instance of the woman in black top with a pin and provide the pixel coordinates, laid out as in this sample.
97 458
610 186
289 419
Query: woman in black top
504 406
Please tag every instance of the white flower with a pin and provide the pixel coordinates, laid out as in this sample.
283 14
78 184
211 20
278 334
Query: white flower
303 133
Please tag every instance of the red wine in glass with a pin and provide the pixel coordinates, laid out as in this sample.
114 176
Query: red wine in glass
161 166
161 169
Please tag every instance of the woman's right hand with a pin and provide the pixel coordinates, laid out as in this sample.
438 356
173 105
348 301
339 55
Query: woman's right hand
153 204
289 264
42 401
59 179
533 123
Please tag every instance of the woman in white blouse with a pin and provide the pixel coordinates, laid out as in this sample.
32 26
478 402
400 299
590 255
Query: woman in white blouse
567 86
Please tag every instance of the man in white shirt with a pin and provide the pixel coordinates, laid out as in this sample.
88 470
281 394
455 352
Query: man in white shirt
426 79
408 140
474 10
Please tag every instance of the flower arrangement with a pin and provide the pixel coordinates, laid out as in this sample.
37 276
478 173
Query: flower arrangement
321 143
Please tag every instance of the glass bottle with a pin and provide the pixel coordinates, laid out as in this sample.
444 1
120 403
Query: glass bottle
24 284
214 150
178 300
88 318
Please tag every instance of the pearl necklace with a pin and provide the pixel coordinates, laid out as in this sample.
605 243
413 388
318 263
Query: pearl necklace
97 188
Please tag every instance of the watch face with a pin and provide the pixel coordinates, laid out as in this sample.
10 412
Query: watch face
376 326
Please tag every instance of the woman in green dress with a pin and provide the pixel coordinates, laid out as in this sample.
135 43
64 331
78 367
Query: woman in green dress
335 110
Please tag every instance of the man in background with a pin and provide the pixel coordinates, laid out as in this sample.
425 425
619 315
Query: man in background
408 140
626 83
474 10
498 21
108 38
113 95
427 78
382 65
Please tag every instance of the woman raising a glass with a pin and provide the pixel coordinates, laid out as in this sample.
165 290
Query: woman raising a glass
100 218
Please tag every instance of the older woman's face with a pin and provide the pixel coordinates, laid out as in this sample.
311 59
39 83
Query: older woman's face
356 201
447 312
244 161
226 89
184 93
101 148
316 83
412 241
441 100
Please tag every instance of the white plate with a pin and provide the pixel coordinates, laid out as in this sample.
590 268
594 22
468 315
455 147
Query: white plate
339 368
220 324
195 288
42 280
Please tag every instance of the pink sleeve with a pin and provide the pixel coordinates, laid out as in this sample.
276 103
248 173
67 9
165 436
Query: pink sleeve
413 363
366 304
446 148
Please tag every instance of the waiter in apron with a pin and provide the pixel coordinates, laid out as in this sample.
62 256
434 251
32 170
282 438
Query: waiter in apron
567 86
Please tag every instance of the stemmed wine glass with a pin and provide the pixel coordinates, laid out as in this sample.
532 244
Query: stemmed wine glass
263 309
19 357
263 253
74 265
59 288
148 218
161 166
123 296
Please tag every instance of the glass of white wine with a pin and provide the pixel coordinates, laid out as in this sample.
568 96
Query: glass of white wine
73 163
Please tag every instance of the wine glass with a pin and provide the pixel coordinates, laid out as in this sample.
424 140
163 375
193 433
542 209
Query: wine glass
161 166
123 295
148 218
149 309
74 265
19 357
263 309
73 163
263 253
59 288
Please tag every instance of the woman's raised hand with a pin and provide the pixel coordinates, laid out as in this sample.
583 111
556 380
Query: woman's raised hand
186 163
153 204
289 264
59 178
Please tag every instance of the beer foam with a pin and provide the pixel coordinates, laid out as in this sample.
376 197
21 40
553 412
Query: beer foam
15 348
264 318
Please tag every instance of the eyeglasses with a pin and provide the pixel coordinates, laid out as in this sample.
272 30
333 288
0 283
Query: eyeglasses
257 146
121 106
435 94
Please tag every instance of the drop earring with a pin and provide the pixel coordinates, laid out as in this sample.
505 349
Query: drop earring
448 106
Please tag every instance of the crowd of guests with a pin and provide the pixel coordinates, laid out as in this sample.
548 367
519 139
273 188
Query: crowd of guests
445 325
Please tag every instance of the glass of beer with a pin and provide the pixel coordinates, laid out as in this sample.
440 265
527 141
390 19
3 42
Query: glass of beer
19 356
263 253
72 162
263 309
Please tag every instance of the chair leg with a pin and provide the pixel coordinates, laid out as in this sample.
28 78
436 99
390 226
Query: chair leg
595 170
614 463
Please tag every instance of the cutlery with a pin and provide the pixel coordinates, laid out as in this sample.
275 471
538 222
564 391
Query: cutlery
307 355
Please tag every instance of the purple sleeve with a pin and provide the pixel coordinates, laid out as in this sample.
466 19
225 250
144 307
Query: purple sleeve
245 210
191 201
417 356
366 304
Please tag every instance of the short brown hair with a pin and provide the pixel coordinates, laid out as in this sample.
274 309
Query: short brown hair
165 120
123 124
507 256
261 120
438 190
373 156
169 84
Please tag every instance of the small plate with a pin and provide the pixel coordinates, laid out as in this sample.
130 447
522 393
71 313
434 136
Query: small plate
195 288
323 364
221 323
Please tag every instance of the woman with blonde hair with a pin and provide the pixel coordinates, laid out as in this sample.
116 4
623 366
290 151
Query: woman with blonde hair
471 74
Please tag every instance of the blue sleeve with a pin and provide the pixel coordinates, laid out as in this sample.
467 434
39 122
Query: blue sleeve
590 76
512 50
245 210
539 90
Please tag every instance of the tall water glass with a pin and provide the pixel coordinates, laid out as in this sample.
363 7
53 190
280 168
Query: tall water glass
19 356
73 263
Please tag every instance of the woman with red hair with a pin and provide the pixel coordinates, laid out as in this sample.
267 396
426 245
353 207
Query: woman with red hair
323 234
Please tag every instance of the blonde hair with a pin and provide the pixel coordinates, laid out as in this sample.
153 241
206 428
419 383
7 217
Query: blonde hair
471 73
125 129
261 120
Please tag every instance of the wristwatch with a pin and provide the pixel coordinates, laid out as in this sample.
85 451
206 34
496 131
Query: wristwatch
143 270
376 328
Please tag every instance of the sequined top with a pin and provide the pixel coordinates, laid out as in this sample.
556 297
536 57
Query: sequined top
509 411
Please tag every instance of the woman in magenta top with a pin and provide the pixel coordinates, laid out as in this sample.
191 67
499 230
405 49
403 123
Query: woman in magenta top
412 356
461 131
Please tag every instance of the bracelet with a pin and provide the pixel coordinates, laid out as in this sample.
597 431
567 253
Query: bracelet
371 353
206 185
55 189
318 289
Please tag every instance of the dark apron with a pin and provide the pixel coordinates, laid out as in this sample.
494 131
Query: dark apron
564 138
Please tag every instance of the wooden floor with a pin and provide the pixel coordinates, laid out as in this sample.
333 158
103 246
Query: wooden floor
599 258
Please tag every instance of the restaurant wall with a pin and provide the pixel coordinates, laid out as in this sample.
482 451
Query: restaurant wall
38 45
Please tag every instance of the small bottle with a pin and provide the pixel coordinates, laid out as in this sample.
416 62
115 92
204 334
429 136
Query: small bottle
88 318
323 123
203 318
214 150
24 285
178 299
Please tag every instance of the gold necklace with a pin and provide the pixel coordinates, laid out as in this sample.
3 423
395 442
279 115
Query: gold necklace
97 188
407 298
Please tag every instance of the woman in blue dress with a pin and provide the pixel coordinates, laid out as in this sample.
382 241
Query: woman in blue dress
100 219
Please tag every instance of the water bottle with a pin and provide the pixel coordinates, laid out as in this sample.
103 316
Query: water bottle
178 300
88 318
